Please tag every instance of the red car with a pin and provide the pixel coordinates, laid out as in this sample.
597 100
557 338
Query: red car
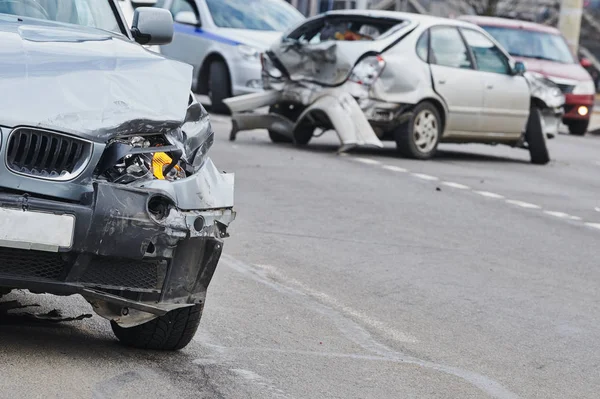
544 50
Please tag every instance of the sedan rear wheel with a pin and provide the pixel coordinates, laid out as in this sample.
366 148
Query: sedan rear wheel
420 137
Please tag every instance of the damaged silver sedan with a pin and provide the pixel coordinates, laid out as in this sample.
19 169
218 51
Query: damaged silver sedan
107 189
417 80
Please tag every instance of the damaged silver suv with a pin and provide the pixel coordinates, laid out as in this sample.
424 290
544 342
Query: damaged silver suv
106 188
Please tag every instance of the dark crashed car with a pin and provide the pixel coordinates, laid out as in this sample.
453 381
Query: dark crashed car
106 189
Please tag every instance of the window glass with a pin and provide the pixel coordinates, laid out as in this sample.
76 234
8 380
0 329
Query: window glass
92 13
423 46
488 57
448 48
268 15
182 6
532 44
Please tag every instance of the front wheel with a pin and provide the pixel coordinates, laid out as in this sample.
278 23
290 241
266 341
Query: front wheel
536 138
421 135
219 87
290 111
578 128
172 331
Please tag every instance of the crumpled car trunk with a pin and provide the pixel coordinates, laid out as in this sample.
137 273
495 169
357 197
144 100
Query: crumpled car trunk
308 67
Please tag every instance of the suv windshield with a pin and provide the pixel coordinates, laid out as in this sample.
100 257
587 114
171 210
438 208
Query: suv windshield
269 15
531 44
93 13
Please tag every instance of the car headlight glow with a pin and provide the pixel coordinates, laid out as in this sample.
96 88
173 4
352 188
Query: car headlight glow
586 87
248 52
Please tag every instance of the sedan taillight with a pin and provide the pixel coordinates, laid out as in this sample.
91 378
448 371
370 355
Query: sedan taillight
368 70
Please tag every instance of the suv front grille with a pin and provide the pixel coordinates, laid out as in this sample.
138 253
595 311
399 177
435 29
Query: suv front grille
46 155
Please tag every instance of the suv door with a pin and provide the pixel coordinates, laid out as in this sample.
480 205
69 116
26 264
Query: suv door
455 80
507 97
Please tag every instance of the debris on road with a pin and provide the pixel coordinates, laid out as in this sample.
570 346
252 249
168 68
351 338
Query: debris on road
53 316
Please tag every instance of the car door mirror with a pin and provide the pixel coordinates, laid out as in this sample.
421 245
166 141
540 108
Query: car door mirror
152 26
519 68
187 18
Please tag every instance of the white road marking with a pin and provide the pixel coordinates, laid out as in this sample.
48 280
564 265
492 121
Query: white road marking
335 304
561 215
523 204
367 161
456 185
394 168
574 218
597 209
593 225
489 195
353 330
425 177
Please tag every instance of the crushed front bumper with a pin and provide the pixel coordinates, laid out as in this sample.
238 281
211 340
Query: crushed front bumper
135 253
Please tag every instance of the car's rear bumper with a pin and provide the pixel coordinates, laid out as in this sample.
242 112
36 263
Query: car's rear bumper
573 102
130 261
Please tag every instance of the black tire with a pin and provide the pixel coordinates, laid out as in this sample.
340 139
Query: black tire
219 87
578 128
172 331
290 111
536 138
405 135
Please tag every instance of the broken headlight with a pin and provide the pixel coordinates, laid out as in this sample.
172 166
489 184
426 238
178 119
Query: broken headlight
129 159
173 155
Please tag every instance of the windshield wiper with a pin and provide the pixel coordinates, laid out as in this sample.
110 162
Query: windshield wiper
537 57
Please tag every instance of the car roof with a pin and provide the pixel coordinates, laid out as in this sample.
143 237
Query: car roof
509 23
426 20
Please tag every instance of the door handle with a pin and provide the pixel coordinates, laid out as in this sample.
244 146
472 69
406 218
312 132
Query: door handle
490 86
442 81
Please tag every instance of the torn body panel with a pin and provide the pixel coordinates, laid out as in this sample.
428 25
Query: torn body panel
331 108
549 99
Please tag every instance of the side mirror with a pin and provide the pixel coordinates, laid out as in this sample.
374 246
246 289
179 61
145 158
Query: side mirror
586 63
187 18
152 26
519 68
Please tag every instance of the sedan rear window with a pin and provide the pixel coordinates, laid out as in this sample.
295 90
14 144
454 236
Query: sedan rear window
345 28
91 13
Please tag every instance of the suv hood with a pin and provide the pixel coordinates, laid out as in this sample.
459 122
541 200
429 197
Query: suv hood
552 69
86 82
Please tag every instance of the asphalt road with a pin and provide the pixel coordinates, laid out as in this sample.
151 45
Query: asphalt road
474 275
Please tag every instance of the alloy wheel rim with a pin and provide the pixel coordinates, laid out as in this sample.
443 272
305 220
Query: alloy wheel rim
425 131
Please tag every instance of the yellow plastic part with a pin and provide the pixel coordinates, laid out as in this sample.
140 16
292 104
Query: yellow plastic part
159 161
